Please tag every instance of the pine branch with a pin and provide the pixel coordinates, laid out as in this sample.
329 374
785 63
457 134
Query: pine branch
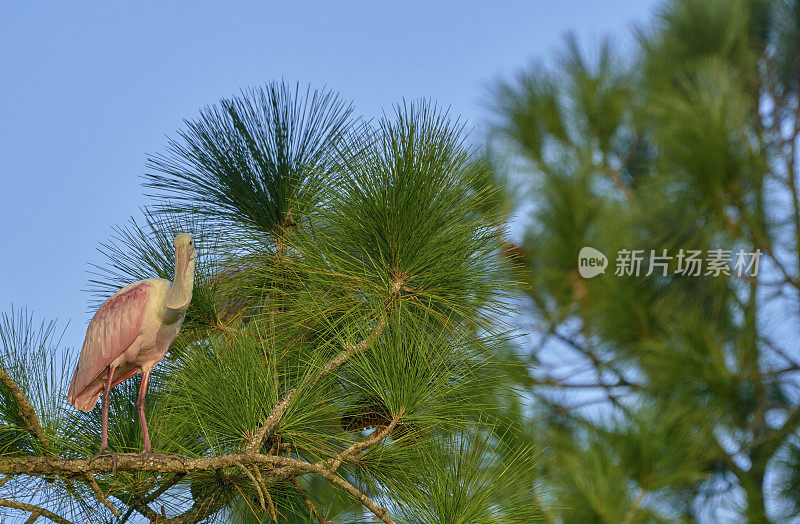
374 438
256 485
26 409
355 349
289 468
338 361
271 423
163 488
381 513
197 512
100 495
273 511
278 468
136 503
41 465
34 510
327 469
311 507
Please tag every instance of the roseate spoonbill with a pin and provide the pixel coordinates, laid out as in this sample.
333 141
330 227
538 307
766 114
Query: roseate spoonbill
130 334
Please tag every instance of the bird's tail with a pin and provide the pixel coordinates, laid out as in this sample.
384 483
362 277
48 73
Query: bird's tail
85 399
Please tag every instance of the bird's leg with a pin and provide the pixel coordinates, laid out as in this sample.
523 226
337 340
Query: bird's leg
104 431
140 407
143 421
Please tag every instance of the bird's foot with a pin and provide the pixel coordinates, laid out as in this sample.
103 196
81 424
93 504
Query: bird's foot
105 452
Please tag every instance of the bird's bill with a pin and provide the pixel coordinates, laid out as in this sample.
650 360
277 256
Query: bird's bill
184 253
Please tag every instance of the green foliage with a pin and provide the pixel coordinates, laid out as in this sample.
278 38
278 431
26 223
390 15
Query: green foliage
350 268
252 159
670 396
29 357
467 478
403 205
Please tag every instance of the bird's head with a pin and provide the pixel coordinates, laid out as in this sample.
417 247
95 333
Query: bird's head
180 293
184 249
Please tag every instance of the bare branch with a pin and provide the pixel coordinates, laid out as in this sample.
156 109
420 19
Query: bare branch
137 504
163 488
34 510
100 495
283 468
381 513
255 485
197 512
552 383
781 352
143 502
273 512
53 465
311 507
599 366
40 465
266 430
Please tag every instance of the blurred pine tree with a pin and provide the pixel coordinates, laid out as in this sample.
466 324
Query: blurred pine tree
663 397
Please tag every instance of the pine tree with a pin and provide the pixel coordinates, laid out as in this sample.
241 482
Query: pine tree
337 360
665 395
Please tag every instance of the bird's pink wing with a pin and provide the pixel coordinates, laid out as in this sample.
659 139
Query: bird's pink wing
112 330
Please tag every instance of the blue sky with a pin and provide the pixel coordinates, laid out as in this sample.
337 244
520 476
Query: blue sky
88 90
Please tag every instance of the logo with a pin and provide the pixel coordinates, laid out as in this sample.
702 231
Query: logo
686 263
591 262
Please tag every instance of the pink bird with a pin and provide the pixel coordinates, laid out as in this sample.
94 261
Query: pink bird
130 334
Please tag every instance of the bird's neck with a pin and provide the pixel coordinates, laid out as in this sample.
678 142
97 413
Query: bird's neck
180 292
